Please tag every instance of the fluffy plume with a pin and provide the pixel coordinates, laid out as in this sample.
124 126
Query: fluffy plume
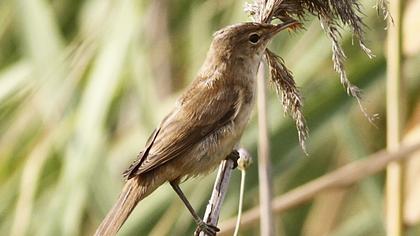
289 93
332 14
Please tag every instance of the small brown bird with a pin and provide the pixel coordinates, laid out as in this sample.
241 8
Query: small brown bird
205 125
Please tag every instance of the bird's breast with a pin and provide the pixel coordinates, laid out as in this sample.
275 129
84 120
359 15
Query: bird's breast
208 153
245 105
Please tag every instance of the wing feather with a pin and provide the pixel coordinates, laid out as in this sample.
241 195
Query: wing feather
206 110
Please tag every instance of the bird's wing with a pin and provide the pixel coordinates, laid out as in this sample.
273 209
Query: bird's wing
205 110
130 172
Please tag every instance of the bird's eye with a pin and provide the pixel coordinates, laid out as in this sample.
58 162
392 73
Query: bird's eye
254 38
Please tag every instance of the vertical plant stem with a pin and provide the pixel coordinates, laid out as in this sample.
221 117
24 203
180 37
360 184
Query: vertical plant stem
264 165
241 202
395 122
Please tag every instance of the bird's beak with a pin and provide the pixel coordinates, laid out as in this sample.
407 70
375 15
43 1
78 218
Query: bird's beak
277 28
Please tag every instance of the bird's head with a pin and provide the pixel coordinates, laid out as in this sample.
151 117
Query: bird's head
245 40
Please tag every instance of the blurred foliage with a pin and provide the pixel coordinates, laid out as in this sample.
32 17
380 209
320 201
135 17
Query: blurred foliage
81 88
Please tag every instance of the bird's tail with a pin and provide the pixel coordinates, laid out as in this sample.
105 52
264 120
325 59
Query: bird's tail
133 192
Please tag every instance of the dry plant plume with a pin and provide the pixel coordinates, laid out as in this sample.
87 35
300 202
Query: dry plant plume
332 15
290 95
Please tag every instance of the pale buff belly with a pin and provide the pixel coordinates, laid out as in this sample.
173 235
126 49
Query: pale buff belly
207 155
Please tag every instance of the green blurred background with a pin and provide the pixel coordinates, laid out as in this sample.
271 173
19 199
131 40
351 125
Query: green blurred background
83 84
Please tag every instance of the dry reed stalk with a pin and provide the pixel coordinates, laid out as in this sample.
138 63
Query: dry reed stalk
264 163
395 123
211 216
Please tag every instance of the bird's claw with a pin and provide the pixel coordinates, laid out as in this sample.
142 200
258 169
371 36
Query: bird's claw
234 156
208 229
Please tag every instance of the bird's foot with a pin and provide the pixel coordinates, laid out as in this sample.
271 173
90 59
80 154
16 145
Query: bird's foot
207 229
234 156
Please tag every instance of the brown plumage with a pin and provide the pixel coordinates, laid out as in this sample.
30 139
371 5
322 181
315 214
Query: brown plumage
206 123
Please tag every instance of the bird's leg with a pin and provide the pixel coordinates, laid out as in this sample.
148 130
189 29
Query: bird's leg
210 230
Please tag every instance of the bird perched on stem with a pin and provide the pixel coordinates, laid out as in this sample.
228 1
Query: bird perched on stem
205 125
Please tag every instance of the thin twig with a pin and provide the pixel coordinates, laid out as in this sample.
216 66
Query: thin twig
340 178
244 162
241 203
395 123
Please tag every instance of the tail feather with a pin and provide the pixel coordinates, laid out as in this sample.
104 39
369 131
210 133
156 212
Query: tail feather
132 193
